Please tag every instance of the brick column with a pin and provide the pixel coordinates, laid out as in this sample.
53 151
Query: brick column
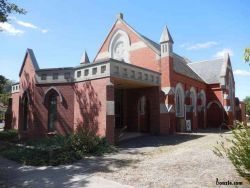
110 113
167 111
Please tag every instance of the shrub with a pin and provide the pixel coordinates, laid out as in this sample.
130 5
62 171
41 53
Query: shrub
238 150
8 135
58 150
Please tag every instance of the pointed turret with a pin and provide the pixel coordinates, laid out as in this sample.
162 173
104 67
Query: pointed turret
165 36
166 42
84 58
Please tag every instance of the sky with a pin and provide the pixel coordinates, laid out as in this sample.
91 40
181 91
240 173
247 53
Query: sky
59 31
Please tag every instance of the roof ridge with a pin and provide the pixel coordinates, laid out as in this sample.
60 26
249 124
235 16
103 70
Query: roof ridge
142 37
207 60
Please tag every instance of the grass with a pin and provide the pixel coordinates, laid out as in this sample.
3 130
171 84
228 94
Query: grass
8 135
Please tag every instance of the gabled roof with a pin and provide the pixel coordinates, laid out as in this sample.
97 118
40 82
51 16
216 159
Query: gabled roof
151 44
165 36
181 67
211 71
32 58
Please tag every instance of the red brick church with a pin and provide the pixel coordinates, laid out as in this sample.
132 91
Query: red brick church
133 84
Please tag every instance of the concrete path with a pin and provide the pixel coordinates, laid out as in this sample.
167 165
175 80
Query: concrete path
76 175
183 160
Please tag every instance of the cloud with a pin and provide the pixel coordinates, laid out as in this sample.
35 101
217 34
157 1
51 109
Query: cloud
10 29
223 51
198 46
30 25
239 72
26 24
44 31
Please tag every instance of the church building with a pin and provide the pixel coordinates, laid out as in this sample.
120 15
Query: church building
133 85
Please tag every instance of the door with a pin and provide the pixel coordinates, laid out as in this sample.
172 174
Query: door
143 115
118 108
214 115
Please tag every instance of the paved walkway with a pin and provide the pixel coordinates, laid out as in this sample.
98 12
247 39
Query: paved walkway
183 160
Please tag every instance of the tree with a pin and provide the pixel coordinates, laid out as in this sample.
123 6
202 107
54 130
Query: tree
3 82
247 55
247 102
7 8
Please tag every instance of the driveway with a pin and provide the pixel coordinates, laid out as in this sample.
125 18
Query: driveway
183 160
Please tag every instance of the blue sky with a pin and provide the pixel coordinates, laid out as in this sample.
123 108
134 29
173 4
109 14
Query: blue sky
58 31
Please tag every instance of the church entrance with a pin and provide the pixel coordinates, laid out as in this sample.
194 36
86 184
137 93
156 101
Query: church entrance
214 115
143 115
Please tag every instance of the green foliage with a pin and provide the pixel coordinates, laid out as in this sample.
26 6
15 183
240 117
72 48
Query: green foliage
237 149
247 102
3 81
5 85
247 55
7 8
58 150
4 99
8 135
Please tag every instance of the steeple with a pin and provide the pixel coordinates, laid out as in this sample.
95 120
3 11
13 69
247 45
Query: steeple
84 58
165 36
166 42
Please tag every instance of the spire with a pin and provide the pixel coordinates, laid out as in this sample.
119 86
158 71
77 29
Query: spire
165 36
119 16
84 58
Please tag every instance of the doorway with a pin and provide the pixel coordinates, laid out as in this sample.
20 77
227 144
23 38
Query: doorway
143 115
119 108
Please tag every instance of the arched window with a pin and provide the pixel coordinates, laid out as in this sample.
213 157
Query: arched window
119 46
193 98
25 110
203 98
51 98
179 100
52 111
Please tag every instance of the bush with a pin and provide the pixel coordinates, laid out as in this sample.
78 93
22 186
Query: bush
58 150
238 150
8 135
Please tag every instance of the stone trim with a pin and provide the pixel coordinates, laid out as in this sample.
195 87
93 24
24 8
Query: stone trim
110 107
168 90
166 108
226 96
228 108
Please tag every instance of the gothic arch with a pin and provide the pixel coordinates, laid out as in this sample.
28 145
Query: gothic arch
179 100
55 90
215 114
26 93
119 46
203 98
214 102
193 97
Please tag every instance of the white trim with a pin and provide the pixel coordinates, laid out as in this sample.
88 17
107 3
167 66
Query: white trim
179 90
119 37
215 102
137 46
202 93
110 107
194 99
